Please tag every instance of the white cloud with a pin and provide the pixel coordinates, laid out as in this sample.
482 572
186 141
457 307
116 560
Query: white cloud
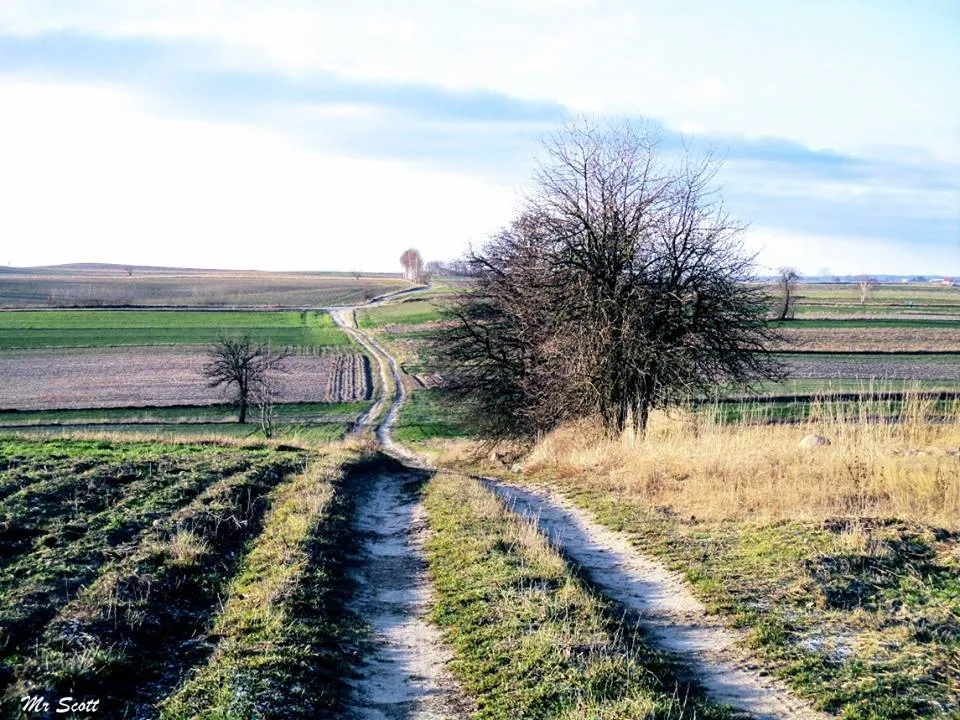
87 176
845 255
849 77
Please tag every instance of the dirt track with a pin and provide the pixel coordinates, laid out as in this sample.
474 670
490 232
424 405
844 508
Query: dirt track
405 675
674 620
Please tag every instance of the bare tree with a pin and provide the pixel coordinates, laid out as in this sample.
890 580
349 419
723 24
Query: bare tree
246 368
265 389
787 284
865 285
622 288
412 263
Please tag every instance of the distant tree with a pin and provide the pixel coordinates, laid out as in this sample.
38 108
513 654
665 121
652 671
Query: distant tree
787 285
865 285
246 368
412 263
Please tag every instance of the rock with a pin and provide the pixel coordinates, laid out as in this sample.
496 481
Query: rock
516 468
814 441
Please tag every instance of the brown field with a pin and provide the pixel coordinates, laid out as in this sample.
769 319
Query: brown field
112 286
348 378
134 377
913 339
874 367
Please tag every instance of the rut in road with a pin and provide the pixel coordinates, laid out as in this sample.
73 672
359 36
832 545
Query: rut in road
404 676
672 619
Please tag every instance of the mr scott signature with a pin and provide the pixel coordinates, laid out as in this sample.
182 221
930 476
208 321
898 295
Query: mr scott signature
39 703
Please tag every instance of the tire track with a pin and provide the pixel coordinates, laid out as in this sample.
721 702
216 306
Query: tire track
404 675
674 621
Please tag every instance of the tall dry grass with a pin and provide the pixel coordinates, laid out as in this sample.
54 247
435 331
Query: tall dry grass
693 466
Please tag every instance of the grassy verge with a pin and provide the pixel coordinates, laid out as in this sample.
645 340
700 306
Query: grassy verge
283 627
429 414
530 639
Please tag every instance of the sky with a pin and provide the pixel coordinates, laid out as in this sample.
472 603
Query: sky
333 134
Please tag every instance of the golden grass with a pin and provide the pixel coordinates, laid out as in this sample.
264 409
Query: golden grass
692 467
689 466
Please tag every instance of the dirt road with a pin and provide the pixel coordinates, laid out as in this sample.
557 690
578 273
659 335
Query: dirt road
672 618
404 675
407 669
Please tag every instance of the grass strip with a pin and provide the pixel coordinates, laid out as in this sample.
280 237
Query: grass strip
283 627
531 640
115 640
112 328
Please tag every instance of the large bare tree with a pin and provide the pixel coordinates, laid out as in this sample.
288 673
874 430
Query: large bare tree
623 287
247 369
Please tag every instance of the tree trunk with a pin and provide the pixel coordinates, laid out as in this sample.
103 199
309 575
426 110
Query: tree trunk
243 412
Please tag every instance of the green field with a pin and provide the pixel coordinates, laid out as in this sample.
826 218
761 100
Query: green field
409 312
865 323
123 565
111 328
296 423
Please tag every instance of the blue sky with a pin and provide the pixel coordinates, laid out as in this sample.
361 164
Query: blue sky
332 135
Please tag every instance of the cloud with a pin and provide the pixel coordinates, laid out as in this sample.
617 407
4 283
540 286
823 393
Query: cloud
810 253
114 184
257 102
851 76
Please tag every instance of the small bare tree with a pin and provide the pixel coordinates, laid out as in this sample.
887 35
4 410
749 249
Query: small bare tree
865 285
265 389
246 368
412 263
787 283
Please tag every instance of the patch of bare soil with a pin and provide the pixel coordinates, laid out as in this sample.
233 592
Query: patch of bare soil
348 378
889 339
673 620
404 675
128 377
853 368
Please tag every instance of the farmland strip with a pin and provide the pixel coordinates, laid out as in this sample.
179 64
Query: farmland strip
283 627
114 640
36 586
70 500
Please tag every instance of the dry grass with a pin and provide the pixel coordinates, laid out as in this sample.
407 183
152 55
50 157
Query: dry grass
691 467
